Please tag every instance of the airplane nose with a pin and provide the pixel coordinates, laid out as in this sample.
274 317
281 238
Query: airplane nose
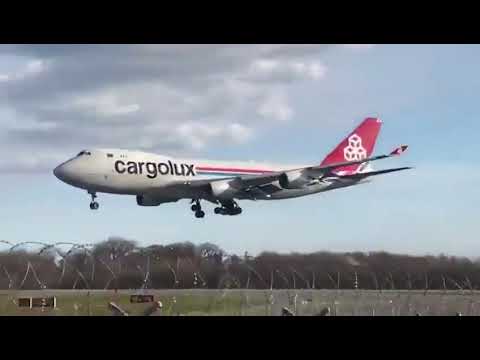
65 172
59 172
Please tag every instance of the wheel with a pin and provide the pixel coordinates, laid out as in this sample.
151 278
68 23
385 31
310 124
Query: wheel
194 207
199 214
231 212
94 205
217 210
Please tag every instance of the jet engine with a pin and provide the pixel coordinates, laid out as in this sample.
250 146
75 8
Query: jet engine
144 200
293 180
222 189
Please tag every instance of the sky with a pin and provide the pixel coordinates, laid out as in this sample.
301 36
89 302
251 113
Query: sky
268 103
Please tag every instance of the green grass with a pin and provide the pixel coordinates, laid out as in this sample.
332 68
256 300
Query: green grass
83 304
249 302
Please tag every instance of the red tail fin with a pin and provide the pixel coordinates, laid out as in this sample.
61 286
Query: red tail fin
357 145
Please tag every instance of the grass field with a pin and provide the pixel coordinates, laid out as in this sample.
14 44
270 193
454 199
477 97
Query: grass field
251 302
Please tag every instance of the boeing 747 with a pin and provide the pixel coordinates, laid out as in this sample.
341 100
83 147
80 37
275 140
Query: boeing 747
157 179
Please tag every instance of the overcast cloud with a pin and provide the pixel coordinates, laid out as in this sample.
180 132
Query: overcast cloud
58 99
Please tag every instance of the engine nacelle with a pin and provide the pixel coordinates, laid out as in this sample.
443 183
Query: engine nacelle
222 189
293 180
144 200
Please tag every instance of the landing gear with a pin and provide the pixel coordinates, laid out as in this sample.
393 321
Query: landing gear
199 214
93 204
228 208
197 209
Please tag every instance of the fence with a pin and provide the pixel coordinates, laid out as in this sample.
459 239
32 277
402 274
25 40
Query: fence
268 284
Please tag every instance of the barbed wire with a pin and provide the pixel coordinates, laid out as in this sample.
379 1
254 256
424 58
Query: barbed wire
86 260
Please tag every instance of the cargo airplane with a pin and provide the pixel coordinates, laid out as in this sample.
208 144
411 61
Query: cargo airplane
157 179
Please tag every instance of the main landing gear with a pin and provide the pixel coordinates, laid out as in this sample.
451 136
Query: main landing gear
197 209
93 204
228 208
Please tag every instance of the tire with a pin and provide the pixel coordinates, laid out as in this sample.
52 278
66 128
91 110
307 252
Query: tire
194 207
223 211
94 206
217 210
199 214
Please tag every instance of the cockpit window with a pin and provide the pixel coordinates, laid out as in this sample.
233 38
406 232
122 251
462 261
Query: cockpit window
84 152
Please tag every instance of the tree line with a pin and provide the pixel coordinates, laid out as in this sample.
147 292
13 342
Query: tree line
119 263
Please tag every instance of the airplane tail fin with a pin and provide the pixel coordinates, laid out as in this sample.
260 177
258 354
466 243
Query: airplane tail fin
359 144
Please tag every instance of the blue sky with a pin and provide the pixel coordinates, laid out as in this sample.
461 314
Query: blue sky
425 94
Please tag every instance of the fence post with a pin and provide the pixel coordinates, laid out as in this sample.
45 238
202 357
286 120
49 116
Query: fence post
88 304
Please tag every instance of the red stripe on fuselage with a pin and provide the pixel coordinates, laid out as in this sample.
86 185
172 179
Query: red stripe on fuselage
208 168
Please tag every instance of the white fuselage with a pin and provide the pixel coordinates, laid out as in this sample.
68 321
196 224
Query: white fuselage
136 173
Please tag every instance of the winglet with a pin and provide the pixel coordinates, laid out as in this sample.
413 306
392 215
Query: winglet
399 150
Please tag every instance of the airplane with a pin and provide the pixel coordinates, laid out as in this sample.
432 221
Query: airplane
158 179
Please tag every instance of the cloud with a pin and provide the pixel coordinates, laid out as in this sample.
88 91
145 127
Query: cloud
284 71
198 135
276 106
62 98
103 105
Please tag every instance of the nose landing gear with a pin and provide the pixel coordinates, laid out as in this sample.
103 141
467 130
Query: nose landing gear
93 204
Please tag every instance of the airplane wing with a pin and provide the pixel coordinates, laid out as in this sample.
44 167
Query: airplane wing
360 176
247 182
311 171
329 168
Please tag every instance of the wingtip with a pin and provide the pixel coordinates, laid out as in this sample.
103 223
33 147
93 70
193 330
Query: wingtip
399 150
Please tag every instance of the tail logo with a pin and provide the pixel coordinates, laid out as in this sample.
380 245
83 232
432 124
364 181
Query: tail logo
354 151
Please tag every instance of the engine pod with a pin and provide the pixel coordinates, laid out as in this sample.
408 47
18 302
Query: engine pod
293 180
222 189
